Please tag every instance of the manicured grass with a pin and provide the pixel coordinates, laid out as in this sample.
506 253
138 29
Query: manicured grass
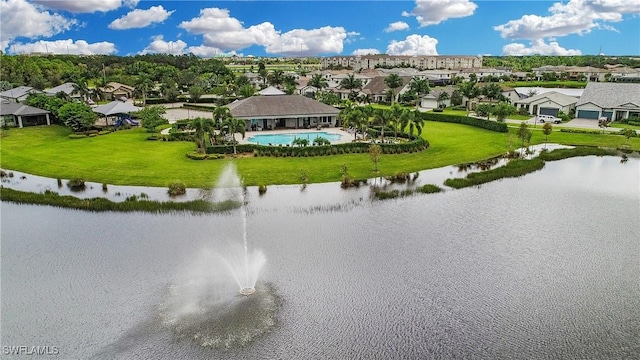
622 126
127 158
599 140
464 113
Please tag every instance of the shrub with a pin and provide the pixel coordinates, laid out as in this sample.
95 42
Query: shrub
177 188
429 189
580 131
76 136
560 154
262 189
196 156
480 123
76 184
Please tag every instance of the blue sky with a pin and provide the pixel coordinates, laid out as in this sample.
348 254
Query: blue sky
321 28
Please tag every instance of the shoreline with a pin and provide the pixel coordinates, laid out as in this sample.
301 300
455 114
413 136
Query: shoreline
203 203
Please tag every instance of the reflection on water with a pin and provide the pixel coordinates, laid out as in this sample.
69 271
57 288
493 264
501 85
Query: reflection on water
541 266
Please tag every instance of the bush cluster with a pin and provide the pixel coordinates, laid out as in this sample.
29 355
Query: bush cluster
458 119
580 131
177 188
198 156
415 145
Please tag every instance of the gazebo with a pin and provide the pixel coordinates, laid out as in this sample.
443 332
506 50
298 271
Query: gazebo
115 108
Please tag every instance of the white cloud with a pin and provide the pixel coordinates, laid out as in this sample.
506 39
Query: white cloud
19 18
221 31
575 17
366 52
86 6
309 42
141 18
397 26
538 47
433 12
207 51
78 47
158 45
413 45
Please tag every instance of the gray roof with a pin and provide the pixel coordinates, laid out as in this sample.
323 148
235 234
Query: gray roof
611 95
556 97
116 107
18 109
18 92
270 91
67 88
280 106
377 85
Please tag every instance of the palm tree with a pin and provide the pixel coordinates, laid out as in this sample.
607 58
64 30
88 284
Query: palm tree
351 83
276 78
397 114
143 85
470 91
414 122
220 114
420 87
318 81
393 81
201 127
81 88
232 126
442 98
382 117
352 117
492 91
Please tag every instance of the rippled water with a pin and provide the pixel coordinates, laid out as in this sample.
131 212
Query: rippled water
543 266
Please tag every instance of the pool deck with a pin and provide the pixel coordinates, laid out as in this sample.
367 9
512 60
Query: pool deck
346 137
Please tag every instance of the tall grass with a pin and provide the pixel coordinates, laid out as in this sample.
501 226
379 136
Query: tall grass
102 204
515 168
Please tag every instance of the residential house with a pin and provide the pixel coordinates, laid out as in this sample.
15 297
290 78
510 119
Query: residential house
614 101
430 100
19 115
18 94
548 103
66 88
273 109
116 91
377 88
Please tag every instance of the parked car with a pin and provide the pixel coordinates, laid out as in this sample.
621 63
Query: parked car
549 118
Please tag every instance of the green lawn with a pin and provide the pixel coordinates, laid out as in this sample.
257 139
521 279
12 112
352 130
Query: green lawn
622 126
125 157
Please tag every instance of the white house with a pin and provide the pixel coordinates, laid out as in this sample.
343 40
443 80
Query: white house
548 103
614 101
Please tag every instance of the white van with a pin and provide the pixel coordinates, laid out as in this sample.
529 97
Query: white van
549 118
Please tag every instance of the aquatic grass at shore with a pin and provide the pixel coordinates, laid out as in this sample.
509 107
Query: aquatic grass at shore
101 204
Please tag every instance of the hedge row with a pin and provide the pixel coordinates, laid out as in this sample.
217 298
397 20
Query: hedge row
416 145
580 131
481 123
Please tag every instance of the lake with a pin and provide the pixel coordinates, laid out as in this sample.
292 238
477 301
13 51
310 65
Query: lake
542 266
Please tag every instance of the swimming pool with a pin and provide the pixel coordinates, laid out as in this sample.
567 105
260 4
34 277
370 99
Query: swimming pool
287 138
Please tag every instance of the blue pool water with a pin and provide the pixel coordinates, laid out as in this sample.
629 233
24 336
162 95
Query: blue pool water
287 138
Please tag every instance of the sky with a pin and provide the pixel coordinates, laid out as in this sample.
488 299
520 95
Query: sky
321 28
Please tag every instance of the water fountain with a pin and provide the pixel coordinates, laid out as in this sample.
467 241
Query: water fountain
217 300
